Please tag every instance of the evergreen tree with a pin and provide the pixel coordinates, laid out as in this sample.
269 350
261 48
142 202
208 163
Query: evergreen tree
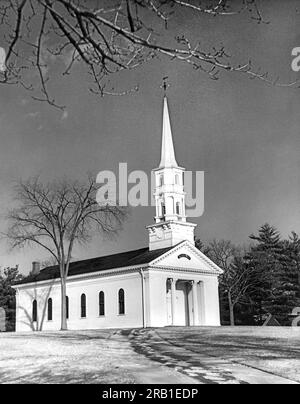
7 295
289 288
293 253
262 260
270 263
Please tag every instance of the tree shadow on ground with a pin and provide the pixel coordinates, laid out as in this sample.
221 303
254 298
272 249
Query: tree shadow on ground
242 345
222 343
49 376
65 335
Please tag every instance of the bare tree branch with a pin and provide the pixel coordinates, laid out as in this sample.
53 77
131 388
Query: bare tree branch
110 37
56 216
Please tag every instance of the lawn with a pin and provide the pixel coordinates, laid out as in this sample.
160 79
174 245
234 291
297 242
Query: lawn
71 357
271 349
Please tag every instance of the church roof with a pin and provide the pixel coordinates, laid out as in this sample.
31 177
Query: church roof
125 259
167 148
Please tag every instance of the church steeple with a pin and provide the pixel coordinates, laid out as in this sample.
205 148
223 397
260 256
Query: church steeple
170 226
167 147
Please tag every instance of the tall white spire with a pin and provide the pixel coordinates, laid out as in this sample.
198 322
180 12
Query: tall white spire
170 226
167 147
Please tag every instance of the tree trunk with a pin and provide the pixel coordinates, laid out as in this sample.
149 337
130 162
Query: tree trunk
63 306
231 310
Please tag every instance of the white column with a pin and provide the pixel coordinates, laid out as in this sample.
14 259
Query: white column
173 298
195 303
201 303
17 297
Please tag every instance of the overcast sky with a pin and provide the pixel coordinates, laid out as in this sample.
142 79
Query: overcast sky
244 134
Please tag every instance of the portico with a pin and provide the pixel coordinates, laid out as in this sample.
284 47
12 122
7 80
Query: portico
183 301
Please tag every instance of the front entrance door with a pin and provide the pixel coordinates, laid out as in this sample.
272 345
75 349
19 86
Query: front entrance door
182 304
182 310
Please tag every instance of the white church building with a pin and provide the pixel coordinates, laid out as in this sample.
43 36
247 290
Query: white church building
170 282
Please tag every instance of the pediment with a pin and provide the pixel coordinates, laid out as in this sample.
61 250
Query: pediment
186 255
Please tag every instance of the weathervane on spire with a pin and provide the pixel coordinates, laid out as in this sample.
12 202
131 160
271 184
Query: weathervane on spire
165 84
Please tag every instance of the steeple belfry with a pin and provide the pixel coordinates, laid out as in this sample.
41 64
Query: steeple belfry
167 148
170 226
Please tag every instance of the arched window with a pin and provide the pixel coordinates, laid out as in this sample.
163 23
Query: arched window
34 311
161 180
67 307
163 209
50 309
101 304
121 301
177 208
177 179
83 305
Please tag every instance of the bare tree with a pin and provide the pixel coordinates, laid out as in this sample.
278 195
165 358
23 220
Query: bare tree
222 252
58 215
237 280
110 36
